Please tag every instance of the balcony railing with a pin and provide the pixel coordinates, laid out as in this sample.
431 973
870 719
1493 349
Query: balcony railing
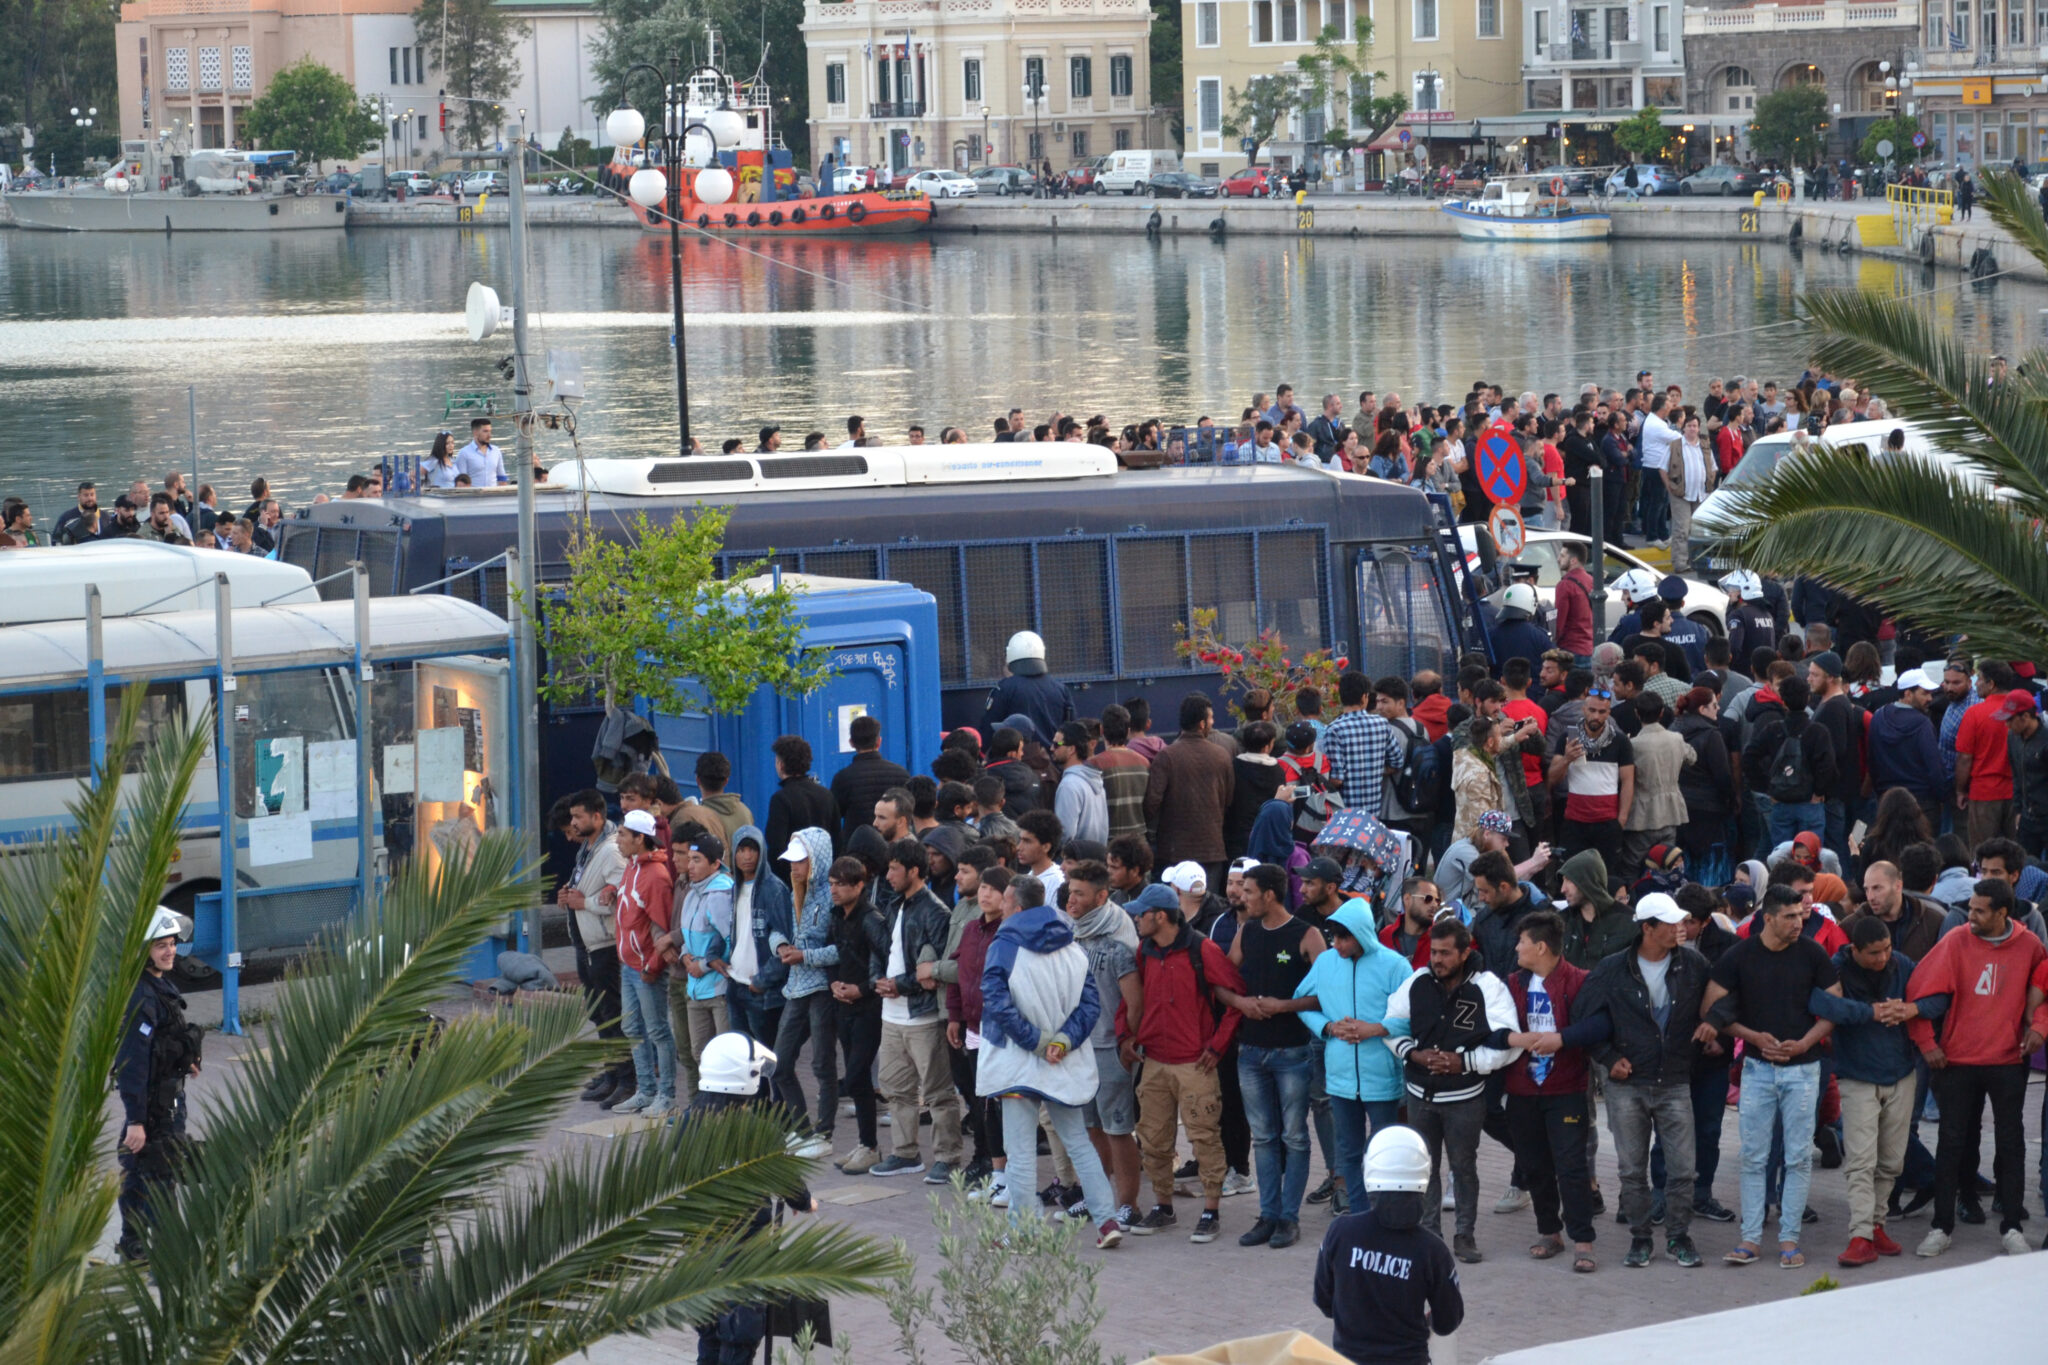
1567 50
898 109
1833 14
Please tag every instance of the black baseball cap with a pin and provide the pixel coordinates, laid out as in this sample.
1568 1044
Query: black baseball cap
1322 870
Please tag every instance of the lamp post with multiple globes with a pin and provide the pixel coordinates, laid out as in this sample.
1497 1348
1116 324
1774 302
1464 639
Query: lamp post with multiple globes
711 184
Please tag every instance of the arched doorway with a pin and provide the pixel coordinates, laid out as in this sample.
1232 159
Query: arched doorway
1732 90
1801 73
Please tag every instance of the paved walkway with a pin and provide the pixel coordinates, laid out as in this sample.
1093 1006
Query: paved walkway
1166 1294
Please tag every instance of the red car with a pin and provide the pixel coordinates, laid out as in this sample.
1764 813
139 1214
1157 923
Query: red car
1253 182
1081 179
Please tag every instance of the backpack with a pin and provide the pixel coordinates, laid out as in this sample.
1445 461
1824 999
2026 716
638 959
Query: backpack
1313 801
1416 784
1790 780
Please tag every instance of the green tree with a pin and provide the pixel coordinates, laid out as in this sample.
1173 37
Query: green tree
367 1188
1167 92
1788 124
57 54
649 617
754 36
1897 130
1330 72
311 110
1949 554
475 45
1258 109
1644 134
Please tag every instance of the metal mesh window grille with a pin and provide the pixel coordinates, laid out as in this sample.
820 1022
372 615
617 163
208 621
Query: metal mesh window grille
209 68
177 68
244 68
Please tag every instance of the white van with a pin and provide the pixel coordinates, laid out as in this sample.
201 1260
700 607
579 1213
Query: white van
1864 439
1131 172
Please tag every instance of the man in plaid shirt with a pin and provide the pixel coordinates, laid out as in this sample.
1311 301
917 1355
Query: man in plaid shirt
1359 744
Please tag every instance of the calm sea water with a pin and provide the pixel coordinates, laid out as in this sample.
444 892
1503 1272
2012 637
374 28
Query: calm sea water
311 355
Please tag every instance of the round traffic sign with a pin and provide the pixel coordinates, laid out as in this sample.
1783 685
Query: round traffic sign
1508 536
1884 147
1404 137
1919 139
1503 475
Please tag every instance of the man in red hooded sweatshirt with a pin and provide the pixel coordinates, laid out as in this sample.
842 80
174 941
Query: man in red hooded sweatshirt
1981 1052
1432 709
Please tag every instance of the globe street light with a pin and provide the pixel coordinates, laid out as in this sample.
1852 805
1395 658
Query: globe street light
984 135
712 185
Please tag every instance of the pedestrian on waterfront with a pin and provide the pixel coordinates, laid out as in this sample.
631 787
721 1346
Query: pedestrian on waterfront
158 1052
1273 951
1689 477
1109 938
1188 789
590 896
83 523
482 461
1966 195
645 908
699 942
913 1067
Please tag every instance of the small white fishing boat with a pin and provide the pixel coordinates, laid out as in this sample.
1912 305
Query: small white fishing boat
1519 209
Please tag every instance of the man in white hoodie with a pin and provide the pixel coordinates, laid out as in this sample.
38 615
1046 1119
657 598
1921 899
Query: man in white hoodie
1081 802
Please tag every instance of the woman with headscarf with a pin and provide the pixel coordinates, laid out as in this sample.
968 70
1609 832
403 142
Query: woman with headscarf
1272 841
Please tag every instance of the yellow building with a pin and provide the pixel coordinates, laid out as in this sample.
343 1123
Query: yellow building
1456 61
943 82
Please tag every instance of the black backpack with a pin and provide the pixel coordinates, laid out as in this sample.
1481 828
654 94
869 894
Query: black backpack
1415 773
1791 781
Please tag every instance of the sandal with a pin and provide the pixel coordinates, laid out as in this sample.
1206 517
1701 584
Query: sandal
1546 1249
1741 1255
1791 1260
1583 1263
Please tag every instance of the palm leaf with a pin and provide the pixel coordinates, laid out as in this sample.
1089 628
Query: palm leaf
1921 543
73 910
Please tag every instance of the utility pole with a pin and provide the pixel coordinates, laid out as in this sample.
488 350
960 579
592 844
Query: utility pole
525 682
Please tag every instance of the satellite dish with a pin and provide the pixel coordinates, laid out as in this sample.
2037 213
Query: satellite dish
483 312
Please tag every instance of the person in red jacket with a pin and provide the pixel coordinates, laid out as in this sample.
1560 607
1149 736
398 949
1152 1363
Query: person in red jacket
1432 709
1546 1085
1574 599
1408 932
1981 1051
645 904
1187 1021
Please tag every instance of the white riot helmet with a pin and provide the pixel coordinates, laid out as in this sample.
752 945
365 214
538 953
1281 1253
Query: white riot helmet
733 1064
1397 1160
1744 584
168 923
1026 654
1518 603
1637 585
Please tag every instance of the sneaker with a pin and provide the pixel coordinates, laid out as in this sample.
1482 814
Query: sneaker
1514 1201
1055 1195
941 1173
1883 1242
1077 1202
1238 1182
1683 1251
1206 1227
1340 1201
1189 1169
1920 1200
1640 1252
1809 1214
1713 1210
977 1173
987 1189
1160 1217
1600 1202
885 1119
1323 1193
1933 1244
1449 1203
1621 1215
1125 1217
859 1161
1285 1235
598 1085
640 1103
624 1090
1969 1211
893 1164
809 1148
1657 1207
1108 1234
1862 1251
1001 1198
1260 1234
2015 1242
1466 1249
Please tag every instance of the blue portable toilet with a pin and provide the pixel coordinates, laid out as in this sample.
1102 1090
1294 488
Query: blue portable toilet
883 639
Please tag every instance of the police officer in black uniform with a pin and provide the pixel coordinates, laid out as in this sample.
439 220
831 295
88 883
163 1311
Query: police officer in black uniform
1028 691
1384 1280
158 1051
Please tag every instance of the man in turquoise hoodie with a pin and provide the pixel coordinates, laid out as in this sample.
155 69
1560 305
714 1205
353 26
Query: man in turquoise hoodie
700 942
1350 987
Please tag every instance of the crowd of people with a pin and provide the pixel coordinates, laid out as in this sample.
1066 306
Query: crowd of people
1655 885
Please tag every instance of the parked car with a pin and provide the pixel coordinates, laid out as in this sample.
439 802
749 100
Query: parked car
1085 178
942 184
850 179
1725 180
1577 180
1649 180
412 182
1181 185
1253 182
486 182
1129 172
1004 180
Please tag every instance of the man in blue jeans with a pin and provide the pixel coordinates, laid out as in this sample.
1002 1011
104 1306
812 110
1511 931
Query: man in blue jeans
1347 990
1759 992
1273 950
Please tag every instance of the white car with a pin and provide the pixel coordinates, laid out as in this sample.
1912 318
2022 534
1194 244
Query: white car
943 185
1704 603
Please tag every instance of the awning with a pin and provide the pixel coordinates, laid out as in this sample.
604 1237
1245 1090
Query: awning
1420 133
1525 125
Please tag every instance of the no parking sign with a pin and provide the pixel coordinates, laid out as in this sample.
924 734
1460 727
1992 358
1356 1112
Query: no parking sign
1505 523
1503 475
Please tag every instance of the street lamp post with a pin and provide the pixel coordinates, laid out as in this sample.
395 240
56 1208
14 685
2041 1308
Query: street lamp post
80 122
712 185
1034 95
984 135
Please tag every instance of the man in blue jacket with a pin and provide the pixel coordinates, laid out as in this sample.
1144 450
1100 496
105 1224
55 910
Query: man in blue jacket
761 915
1874 1069
1350 986
1903 750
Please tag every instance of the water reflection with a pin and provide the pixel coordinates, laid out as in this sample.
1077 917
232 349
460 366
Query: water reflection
312 353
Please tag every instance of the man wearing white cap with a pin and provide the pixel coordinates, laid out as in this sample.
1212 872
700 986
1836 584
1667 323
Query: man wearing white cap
1903 751
1651 995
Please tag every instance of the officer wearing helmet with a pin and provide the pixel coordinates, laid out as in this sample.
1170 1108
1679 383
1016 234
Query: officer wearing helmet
732 1073
158 1051
1635 587
1688 634
1028 690
1385 1281
1750 625
1518 635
